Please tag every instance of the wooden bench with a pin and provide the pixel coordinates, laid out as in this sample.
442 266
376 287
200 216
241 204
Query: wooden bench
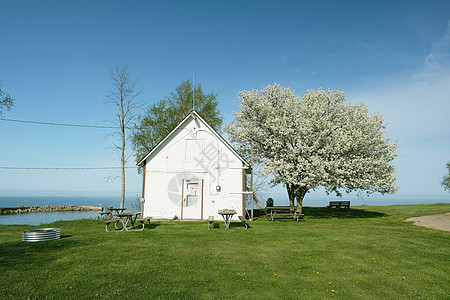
142 221
244 221
106 215
339 204
283 211
107 222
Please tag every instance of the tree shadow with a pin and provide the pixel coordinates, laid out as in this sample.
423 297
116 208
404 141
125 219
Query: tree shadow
326 213
259 213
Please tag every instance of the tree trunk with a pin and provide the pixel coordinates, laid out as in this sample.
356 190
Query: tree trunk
291 194
300 193
122 203
122 159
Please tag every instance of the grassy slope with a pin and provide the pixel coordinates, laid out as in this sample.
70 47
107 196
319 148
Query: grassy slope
365 253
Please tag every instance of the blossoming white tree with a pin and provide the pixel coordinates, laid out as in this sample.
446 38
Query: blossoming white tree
315 140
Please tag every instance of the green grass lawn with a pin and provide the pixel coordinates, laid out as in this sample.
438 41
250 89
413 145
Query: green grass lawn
367 252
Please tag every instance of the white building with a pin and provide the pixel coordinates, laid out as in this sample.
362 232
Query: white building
192 173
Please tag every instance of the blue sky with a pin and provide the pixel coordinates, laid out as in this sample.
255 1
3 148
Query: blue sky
55 58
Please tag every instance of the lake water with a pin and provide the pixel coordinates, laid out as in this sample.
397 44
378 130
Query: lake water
132 204
14 201
46 217
49 217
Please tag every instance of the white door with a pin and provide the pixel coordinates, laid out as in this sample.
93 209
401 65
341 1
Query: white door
192 199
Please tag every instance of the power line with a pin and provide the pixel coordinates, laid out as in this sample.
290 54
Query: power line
60 168
57 124
99 168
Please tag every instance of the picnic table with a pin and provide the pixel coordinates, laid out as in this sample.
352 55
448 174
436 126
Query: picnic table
283 211
227 214
117 210
130 217
110 210
127 218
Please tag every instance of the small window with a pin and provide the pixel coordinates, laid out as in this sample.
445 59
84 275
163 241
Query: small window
192 193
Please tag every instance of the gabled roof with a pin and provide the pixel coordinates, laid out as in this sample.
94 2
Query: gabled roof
194 115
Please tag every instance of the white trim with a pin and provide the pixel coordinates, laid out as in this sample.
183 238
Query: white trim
161 142
242 193
222 139
177 172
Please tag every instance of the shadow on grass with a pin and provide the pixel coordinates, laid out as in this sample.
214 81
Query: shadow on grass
325 213
151 226
138 227
234 224
32 254
238 225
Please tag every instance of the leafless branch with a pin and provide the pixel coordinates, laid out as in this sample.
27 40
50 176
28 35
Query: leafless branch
107 179
123 98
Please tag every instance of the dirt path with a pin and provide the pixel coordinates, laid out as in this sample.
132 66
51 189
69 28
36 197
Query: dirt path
441 222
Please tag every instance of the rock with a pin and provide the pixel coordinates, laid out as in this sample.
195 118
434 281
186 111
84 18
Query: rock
47 208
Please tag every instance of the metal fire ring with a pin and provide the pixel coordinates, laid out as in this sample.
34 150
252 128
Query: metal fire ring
41 234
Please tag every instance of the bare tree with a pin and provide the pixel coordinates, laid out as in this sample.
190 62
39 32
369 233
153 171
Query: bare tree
123 98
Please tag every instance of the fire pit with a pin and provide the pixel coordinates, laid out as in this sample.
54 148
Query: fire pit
41 234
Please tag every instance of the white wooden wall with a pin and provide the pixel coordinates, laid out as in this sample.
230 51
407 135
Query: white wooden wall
192 153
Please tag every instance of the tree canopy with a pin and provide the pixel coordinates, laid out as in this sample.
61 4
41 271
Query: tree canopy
162 117
315 140
446 179
6 101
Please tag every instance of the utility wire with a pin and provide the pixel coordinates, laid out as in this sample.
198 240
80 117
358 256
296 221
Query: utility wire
57 124
101 168
61 124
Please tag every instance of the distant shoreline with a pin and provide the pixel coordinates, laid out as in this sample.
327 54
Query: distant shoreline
46 208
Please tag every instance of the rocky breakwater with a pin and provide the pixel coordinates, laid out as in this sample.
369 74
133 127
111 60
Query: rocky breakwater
46 208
